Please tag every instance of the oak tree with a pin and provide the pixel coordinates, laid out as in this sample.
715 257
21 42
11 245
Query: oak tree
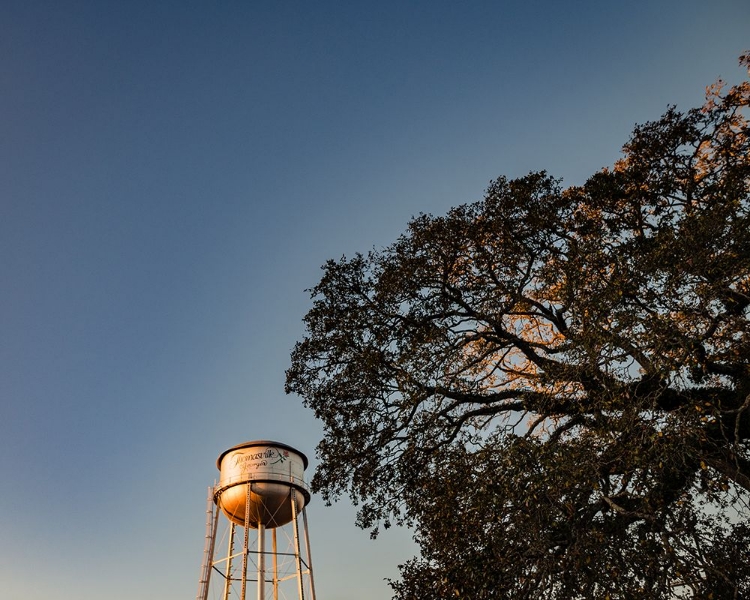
551 386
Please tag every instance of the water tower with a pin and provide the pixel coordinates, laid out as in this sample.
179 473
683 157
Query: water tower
261 487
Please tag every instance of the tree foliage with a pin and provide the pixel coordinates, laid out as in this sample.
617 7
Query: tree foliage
552 385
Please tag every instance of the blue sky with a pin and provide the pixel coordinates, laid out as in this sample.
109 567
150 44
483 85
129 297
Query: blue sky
172 176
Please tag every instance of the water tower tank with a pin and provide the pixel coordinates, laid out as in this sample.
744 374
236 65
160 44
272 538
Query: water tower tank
270 472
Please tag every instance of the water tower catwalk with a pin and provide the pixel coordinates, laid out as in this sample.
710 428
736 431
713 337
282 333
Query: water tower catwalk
261 487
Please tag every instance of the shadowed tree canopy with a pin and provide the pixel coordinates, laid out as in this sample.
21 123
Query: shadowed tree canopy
551 386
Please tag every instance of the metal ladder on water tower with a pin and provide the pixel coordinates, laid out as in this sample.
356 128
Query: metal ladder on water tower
208 547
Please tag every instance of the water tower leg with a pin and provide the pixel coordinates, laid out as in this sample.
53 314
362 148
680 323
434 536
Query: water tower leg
261 562
309 555
230 552
297 555
245 549
275 565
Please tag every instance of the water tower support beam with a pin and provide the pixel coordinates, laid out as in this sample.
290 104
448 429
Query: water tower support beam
275 565
261 561
245 549
230 552
297 555
309 555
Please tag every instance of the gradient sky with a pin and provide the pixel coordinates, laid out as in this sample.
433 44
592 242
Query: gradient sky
172 176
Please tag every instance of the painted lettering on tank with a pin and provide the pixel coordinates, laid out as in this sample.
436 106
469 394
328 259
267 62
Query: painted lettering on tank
256 460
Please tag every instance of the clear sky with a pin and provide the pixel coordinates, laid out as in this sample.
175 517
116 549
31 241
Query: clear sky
172 176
